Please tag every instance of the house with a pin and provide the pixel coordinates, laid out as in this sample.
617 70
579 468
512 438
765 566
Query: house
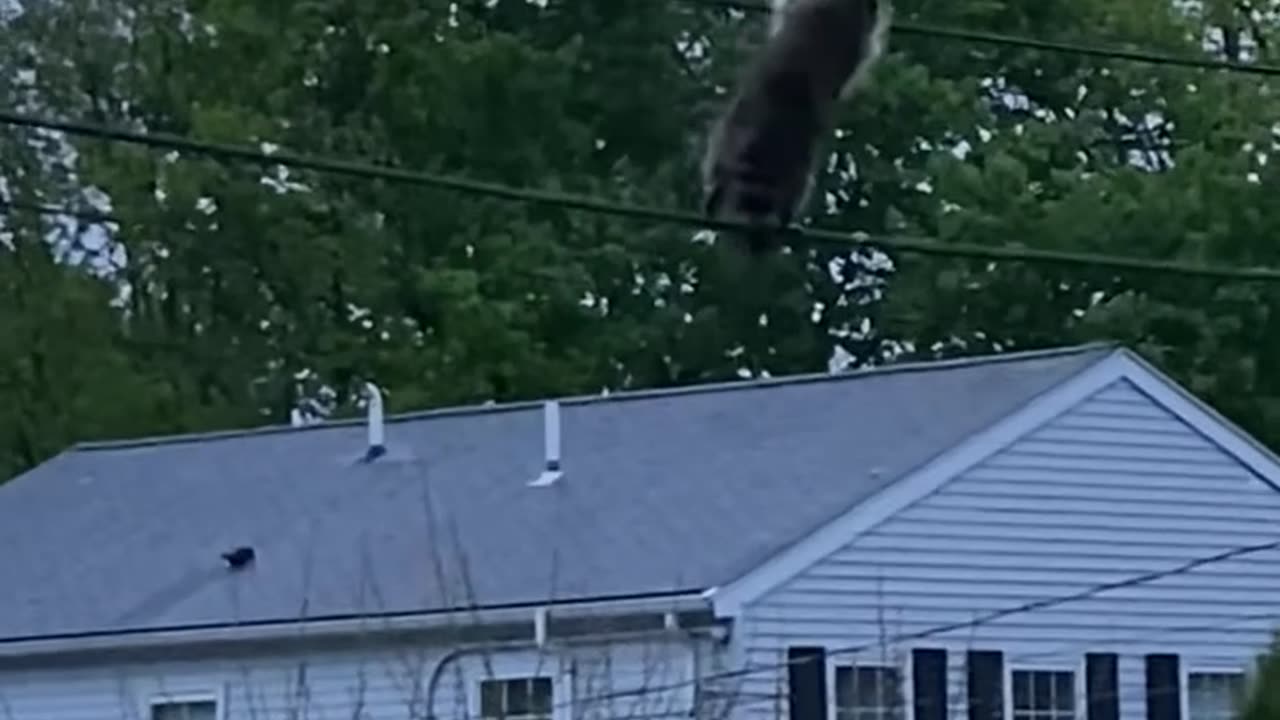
1040 535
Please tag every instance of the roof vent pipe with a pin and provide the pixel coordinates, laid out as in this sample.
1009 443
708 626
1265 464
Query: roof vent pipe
540 627
551 440
377 444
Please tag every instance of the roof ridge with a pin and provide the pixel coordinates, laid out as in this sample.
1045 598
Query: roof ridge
621 396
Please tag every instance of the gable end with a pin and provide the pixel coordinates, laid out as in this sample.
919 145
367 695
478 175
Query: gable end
1202 418
1119 368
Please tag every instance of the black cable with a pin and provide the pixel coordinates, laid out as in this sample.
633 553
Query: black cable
988 38
805 235
1041 604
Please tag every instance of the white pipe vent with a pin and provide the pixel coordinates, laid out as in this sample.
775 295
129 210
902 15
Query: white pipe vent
551 441
377 432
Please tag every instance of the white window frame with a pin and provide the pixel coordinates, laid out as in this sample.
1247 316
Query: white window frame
217 697
522 668
1077 684
1184 681
904 668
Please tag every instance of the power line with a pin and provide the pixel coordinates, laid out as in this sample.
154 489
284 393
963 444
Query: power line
1112 52
806 235
979 621
913 245
1044 603
1122 693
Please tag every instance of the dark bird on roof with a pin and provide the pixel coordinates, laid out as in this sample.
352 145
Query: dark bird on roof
761 154
238 557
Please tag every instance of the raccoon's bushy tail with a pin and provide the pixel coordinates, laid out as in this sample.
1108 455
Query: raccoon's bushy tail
760 157
877 42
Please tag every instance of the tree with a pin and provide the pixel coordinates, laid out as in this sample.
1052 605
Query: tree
1070 153
1262 699
253 292
62 372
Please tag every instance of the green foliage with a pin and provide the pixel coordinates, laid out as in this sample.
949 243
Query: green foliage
62 370
249 297
1262 699
1058 171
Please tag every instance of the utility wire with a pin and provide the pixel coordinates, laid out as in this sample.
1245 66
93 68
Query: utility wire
911 245
1028 43
1143 636
979 621
805 235
1122 693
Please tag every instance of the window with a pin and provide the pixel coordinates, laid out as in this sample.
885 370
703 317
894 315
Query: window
868 693
1213 696
202 709
516 699
1044 695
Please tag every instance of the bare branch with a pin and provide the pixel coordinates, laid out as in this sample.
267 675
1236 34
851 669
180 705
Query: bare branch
297 692
128 708
359 692
256 704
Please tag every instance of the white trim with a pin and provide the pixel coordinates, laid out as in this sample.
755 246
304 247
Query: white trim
216 696
1200 416
908 684
1079 703
1186 670
1121 364
830 670
917 484
372 625
523 666
903 665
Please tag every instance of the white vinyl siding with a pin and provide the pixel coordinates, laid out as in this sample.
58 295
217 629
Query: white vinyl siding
377 684
1112 488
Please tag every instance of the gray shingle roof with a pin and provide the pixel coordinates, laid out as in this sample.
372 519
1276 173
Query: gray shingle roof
663 491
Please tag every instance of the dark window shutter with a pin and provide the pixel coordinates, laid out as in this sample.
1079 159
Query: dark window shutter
807 683
1102 686
929 683
986 685
1164 697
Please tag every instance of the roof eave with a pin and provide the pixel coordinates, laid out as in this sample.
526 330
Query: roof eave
368 625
